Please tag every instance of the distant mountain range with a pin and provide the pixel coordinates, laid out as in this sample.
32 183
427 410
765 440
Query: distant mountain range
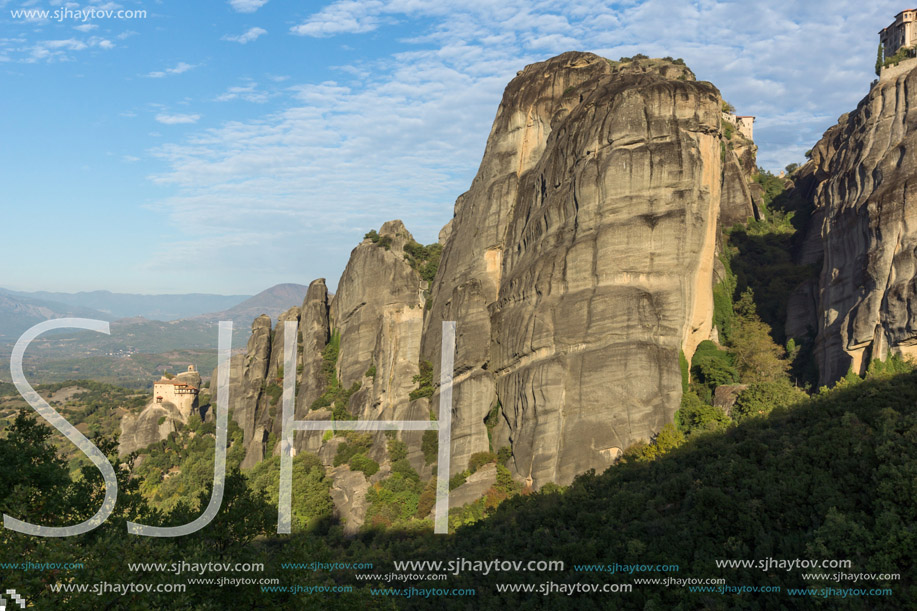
70 354
273 302
128 305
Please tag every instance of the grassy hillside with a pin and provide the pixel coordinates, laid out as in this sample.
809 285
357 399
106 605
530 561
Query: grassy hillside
831 478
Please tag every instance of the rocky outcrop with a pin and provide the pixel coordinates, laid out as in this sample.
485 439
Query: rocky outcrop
577 267
247 376
737 204
580 262
314 333
166 411
726 395
476 486
377 310
864 230
153 424
377 317
348 493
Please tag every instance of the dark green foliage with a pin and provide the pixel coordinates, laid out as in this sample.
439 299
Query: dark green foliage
723 293
274 392
335 396
880 58
403 467
178 469
831 478
424 381
773 185
385 242
34 478
900 55
479 459
760 257
712 367
357 443
761 398
728 130
397 450
396 499
329 362
696 416
665 441
458 479
685 371
372 236
755 354
311 503
504 454
429 447
371 372
427 500
890 367
503 489
361 462
424 259
505 482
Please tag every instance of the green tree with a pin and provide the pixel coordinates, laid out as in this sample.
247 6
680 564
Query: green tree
712 367
762 397
696 416
755 354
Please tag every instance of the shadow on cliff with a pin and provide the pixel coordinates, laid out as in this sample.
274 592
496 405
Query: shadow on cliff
762 261
829 478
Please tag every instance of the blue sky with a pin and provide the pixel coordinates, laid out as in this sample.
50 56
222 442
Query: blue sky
228 146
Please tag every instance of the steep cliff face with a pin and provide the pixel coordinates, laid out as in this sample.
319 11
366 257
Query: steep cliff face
577 267
314 333
580 262
160 417
378 312
377 316
864 229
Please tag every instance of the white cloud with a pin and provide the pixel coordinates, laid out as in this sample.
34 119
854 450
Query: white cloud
179 68
339 157
246 37
177 119
62 50
86 27
249 93
344 17
247 6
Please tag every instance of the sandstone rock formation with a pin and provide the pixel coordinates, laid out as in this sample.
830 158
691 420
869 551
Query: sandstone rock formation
348 493
174 401
378 311
577 267
376 315
860 179
580 262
